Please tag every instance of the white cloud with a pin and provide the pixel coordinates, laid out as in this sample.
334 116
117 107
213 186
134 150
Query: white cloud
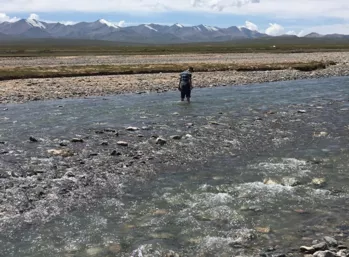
4 17
273 8
121 23
275 30
123 5
251 26
34 16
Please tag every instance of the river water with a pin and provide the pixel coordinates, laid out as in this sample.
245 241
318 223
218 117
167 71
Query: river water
228 205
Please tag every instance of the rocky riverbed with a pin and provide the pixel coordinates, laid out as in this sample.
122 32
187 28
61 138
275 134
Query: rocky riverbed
19 91
259 170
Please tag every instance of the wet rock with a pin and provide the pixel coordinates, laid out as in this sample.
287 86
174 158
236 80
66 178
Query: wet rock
324 254
3 152
254 208
343 253
172 254
122 143
289 181
60 152
33 139
161 141
95 251
77 140
320 134
330 241
4 174
307 249
160 212
115 153
188 136
176 137
114 248
132 129
319 182
69 174
263 230
269 181
162 235
110 130
63 143
342 247
320 246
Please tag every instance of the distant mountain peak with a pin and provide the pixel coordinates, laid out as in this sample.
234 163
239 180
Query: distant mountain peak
313 34
179 25
150 27
35 23
109 24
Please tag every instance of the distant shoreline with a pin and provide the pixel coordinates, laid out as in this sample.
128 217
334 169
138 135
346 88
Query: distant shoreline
158 73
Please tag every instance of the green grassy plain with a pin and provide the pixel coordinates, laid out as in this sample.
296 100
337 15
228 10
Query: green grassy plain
62 47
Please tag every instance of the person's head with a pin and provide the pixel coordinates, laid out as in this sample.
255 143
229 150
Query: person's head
191 69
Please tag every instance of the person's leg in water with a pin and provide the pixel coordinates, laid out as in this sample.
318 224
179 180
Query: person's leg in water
188 94
182 94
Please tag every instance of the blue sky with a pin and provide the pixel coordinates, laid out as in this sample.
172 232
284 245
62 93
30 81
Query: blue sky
271 16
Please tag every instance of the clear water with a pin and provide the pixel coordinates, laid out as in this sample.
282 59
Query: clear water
219 207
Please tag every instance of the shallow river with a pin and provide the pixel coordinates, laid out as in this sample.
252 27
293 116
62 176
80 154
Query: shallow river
225 206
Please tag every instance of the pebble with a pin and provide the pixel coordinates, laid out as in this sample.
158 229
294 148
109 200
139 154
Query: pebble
105 143
307 249
77 140
33 139
114 248
188 136
132 129
301 111
161 141
94 251
319 182
146 128
289 181
122 143
324 254
331 241
176 137
269 181
115 153
61 152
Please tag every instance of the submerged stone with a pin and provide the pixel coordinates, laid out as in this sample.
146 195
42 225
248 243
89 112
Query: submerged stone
319 182
289 181
94 251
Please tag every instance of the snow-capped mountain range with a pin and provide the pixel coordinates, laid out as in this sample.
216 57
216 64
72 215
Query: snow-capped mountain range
144 33
105 30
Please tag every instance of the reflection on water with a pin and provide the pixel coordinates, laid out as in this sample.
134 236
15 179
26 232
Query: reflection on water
225 207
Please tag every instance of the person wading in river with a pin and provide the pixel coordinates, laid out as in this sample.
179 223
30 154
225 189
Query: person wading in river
185 84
